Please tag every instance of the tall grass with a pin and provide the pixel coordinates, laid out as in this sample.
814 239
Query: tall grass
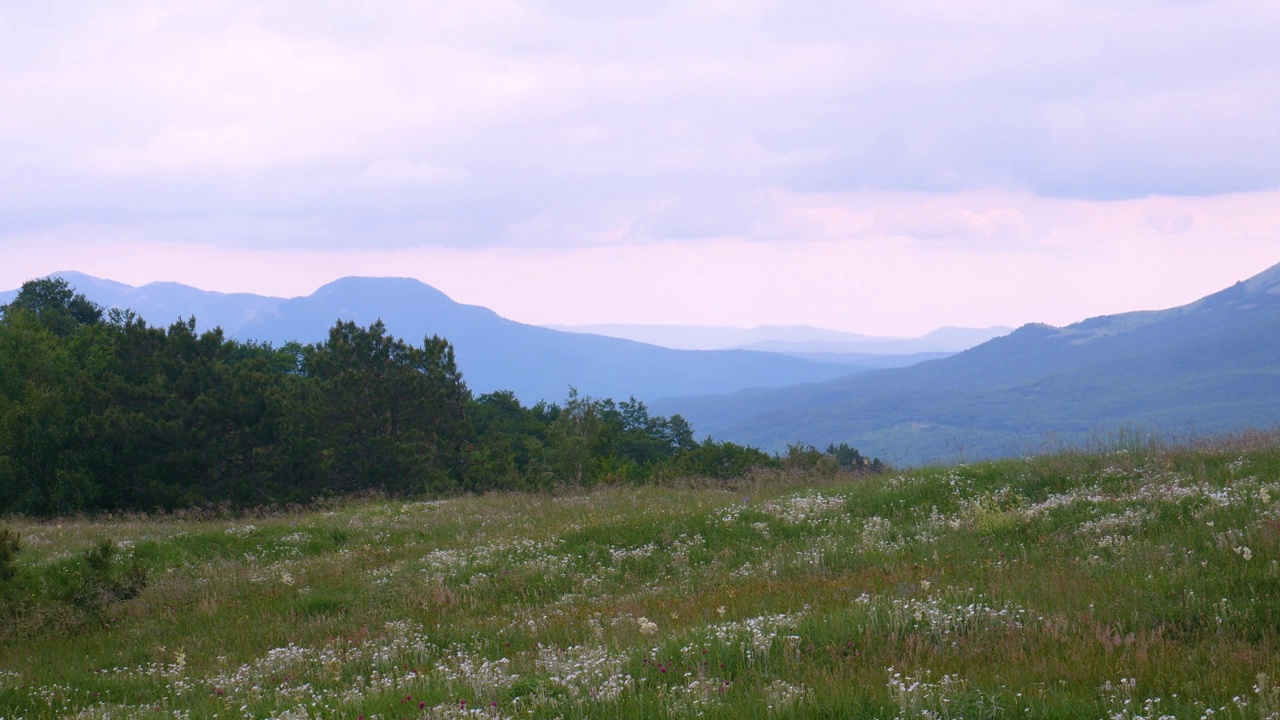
1133 580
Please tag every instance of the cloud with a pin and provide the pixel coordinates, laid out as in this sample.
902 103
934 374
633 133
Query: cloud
840 261
879 167
993 219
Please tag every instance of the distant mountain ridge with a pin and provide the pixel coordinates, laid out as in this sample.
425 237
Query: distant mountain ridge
1211 365
791 339
493 353
162 303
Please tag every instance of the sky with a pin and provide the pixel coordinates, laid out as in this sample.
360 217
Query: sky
877 167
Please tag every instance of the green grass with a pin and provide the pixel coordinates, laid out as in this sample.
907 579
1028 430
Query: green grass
1139 582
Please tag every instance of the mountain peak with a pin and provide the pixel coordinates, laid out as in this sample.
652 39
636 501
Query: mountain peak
386 293
380 286
366 282
81 281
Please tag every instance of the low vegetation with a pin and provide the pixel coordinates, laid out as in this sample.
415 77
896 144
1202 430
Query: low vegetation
1136 582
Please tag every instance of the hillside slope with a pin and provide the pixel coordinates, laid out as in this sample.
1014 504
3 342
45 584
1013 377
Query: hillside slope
1211 365
1136 584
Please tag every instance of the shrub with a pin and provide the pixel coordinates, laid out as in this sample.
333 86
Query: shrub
104 580
10 598
718 460
803 456
9 547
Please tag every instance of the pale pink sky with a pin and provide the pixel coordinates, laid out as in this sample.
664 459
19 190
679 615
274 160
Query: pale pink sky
849 165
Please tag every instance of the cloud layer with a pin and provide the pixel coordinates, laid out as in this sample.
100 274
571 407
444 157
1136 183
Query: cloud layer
556 125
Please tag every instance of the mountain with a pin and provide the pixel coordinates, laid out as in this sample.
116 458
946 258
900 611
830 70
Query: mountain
1212 365
162 303
255 317
493 353
791 339
535 362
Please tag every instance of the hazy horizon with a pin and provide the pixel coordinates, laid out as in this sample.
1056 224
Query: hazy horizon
641 331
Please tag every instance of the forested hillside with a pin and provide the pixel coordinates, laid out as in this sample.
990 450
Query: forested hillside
105 412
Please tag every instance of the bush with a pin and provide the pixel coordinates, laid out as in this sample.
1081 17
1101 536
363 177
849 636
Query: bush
10 598
803 456
718 460
9 547
104 580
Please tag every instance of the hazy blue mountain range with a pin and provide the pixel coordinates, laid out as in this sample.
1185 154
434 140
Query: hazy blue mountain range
493 353
536 362
1212 365
792 339
870 361
161 303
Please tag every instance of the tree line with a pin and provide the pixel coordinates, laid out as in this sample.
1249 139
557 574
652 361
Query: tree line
100 411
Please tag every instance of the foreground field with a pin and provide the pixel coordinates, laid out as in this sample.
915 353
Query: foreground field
1132 583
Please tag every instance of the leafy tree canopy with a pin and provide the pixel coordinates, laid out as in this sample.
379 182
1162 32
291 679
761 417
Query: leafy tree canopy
57 306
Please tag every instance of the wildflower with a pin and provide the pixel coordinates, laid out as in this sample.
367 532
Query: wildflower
1244 552
647 626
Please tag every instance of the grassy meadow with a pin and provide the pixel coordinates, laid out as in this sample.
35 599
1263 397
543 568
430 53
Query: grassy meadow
1140 581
